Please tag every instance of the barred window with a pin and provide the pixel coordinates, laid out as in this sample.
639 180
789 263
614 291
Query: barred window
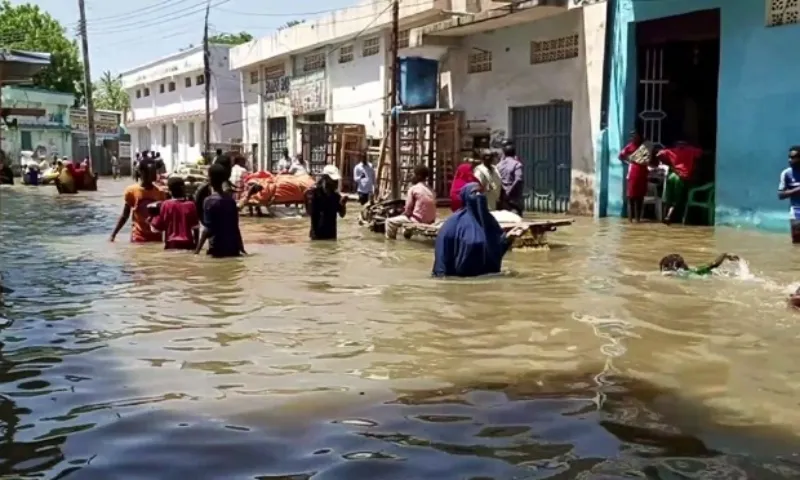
346 54
782 12
372 46
274 71
314 62
253 77
546 51
403 38
479 61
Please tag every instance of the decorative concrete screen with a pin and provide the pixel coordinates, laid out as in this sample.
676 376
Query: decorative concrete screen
782 12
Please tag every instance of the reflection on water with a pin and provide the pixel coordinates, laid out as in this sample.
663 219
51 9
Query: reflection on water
346 360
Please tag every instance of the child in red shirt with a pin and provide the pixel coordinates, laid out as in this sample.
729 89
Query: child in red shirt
177 218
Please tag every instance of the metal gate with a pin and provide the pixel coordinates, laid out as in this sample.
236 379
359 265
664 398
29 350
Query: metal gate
652 82
316 141
543 137
276 127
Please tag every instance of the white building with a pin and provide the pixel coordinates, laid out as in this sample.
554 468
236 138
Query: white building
168 104
531 71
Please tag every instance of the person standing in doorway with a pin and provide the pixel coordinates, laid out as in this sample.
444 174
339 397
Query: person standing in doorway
638 173
511 175
489 178
324 204
137 197
789 188
364 175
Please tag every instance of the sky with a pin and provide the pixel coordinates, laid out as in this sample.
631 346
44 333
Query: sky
122 36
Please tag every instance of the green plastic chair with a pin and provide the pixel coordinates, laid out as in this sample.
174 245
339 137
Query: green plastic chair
701 197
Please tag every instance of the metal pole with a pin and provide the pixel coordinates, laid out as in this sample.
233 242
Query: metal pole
393 146
207 76
87 80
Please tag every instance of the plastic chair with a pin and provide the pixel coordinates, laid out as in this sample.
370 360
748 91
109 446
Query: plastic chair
704 191
655 193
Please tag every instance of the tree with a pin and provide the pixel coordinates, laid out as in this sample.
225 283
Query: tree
26 27
230 38
109 94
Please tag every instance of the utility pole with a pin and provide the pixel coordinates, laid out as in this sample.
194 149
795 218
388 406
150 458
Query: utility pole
393 114
87 80
207 76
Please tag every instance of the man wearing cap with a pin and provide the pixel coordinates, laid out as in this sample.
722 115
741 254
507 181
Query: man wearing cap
324 203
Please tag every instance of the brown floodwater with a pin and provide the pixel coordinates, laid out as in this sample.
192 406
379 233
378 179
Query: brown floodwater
347 360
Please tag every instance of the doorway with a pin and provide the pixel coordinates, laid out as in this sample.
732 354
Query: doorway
543 137
276 129
677 85
314 145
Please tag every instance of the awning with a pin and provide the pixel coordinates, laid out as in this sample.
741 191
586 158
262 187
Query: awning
19 66
514 13
176 117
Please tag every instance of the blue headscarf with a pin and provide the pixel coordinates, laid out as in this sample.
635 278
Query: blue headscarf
470 242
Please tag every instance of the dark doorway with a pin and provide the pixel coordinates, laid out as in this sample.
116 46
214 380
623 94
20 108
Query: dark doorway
678 81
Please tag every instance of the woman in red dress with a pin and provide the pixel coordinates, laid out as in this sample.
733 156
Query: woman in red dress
637 178
462 177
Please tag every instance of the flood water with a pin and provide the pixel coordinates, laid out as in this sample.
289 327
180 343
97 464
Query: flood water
346 360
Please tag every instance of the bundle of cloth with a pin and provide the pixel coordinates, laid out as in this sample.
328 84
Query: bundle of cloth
265 189
72 178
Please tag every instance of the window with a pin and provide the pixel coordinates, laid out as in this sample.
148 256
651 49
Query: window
253 77
371 46
313 62
187 82
138 94
546 51
164 135
403 38
161 88
274 71
171 86
346 54
200 80
479 61
192 140
782 12
146 92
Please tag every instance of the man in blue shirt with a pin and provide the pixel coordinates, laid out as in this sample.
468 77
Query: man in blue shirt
364 175
511 174
789 187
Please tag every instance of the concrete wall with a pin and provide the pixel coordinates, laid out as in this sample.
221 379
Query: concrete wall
50 131
756 105
486 97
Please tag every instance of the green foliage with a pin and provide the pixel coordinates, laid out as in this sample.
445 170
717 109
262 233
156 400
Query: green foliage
230 38
27 27
108 93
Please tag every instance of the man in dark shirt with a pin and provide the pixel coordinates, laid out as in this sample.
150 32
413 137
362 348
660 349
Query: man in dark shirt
220 218
205 189
324 203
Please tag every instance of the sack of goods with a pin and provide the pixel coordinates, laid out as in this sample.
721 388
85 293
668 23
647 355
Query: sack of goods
277 189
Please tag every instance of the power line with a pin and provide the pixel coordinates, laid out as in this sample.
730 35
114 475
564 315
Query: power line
300 14
187 12
127 15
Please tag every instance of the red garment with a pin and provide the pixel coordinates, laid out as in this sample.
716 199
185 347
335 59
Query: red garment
637 174
682 158
628 150
78 175
463 176
177 218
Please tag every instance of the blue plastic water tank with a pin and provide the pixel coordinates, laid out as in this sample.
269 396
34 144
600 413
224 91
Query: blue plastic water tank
419 83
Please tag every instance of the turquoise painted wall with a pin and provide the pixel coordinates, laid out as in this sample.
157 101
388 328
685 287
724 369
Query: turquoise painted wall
758 105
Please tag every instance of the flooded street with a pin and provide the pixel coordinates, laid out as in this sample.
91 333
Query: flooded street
347 360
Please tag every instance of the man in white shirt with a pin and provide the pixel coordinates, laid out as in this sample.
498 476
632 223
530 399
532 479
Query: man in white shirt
238 173
298 166
489 178
284 163
364 176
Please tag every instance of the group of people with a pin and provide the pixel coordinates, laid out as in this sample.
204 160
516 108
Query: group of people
642 158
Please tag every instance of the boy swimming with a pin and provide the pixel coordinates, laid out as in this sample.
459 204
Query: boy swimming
676 263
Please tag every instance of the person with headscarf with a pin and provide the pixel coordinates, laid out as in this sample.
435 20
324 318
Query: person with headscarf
462 177
471 242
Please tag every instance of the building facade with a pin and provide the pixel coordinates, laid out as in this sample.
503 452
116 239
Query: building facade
167 99
332 69
533 74
44 135
714 73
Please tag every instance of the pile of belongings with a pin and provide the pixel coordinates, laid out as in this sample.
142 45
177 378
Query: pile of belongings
193 175
266 189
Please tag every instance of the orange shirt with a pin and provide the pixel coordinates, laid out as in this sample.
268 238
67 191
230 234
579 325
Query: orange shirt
137 197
